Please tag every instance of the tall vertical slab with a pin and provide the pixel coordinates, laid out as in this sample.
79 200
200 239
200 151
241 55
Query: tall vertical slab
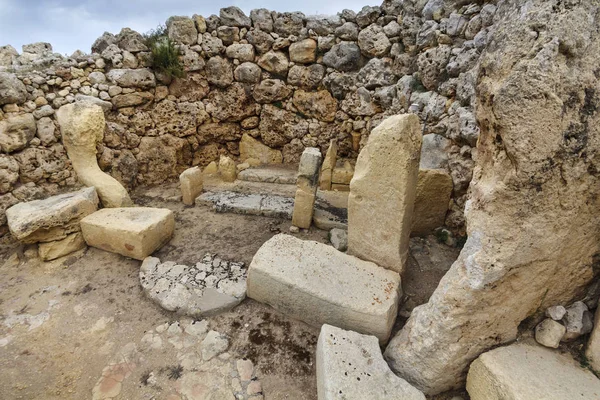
382 192
308 180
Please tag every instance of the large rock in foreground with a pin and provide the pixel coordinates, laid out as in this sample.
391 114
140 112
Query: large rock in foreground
534 207
134 232
522 371
350 367
382 192
52 218
317 284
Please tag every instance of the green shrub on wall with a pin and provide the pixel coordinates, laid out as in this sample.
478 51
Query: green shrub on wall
164 54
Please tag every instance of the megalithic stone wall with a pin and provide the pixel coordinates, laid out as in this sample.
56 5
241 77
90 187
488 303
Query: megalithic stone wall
533 215
289 80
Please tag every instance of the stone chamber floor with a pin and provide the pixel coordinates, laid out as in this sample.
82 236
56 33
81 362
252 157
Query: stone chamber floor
80 327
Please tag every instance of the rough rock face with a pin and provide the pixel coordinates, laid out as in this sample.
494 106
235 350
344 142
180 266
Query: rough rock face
534 209
16 132
12 90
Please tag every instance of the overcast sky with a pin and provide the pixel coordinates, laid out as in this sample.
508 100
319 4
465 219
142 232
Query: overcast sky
74 24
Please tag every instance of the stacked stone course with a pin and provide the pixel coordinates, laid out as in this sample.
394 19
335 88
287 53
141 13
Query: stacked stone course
288 80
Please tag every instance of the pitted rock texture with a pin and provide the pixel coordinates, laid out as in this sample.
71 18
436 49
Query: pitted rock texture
210 286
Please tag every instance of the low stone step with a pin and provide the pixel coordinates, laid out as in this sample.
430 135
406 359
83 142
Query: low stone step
317 284
283 174
523 371
247 203
350 366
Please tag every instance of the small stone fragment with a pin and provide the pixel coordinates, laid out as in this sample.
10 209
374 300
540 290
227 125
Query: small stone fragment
339 239
556 312
213 344
549 333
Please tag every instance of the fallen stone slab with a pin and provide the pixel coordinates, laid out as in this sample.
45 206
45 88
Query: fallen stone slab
522 371
52 218
317 284
210 286
350 366
134 232
248 203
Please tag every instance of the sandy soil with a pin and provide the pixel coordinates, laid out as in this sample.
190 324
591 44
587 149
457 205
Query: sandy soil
63 322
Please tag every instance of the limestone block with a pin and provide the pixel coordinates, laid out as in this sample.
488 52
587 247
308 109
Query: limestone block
252 148
82 127
16 132
303 51
342 173
135 78
12 90
339 187
383 192
549 333
227 169
327 167
53 218
308 177
522 371
578 321
592 352
134 232
350 367
59 248
319 285
211 169
191 184
434 189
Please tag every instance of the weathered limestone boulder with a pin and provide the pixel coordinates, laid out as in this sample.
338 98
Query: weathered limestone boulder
210 286
288 23
320 105
549 333
241 52
344 56
534 208
9 173
271 90
317 284
522 371
182 30
134 232
59 248
247 73
261 40
130 40
350 366
12 90
303 51
275 62
135 78
233 103
434 189
373 42
262 19
227 169
384 185
82 127
219 71
306 192
16 132
132 99
328 165
191 185
233 16
252 148
578 321
52 218
307 77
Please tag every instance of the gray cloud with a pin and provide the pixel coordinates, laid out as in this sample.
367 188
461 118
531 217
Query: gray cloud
71 24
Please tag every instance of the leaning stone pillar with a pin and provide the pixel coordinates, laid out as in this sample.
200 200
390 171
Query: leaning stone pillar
82 128
533 214
308 180
382 192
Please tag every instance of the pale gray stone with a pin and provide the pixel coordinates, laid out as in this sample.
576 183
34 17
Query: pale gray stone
233 16
12 90
549 333
16 132
134 78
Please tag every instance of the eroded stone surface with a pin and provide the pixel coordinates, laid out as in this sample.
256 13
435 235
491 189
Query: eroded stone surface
206 288
350 366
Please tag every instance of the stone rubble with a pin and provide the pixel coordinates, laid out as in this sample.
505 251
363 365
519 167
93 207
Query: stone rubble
207 288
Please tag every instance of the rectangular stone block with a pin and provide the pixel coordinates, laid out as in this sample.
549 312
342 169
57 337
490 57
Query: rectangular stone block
134 232
191 185
350 367
308 179
52 218
382 192
328 165
304 204
317 284
434 189
522 371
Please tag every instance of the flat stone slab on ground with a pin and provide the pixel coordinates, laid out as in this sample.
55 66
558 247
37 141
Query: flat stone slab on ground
134 232
52 218
207 288
350 366
252 204
269 174
523 371
317 284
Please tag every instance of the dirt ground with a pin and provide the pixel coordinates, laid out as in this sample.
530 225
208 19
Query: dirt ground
64 323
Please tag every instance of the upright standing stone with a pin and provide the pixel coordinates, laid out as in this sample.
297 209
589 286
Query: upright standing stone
383 191
306 193
534 206
328 166
227 169
191 184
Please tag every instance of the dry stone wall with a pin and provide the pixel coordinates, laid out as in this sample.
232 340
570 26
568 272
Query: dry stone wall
288 80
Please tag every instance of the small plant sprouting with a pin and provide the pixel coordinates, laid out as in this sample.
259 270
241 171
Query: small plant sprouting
164 53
